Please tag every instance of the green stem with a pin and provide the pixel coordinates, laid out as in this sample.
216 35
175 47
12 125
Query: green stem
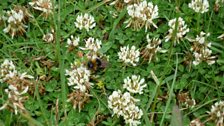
97 6
156 93
171 92
198 22
43 110
210 20
59 57
30 119
37 24
197 108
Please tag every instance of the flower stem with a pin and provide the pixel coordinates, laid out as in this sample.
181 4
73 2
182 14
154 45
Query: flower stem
198 22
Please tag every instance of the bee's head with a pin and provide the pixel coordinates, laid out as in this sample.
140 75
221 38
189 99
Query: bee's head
90 64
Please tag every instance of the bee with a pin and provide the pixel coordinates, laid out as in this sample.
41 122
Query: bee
96 64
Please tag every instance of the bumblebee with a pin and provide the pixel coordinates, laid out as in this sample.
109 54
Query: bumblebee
96 64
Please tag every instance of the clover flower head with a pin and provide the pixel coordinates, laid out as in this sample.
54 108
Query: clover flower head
18 86
134 84
202 37
217 113
134 114
199 6
120 4
122 1
15 21
218 4
142 14
127 1
93 44
125 105
152 48
201 49
153 43
181 30
128 99
7 70
185 100
114 102
196 122
49 37
15 98
73 41
129 55
42 5
79 78
219 1
85 21
78 99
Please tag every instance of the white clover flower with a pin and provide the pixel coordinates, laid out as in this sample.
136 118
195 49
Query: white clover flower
127 99
127 1
7 70
154 45
18 86
197 57
25 76
42 5
73 41
114 102
135 84
15 16
134 11
185 100
190 103
49 37
181 30
217 113
129 55
16 91
121 2
93 44
15 23
201 49
150 13
219 3
78 99
142 14
85 21
196 122
133 115
200 41
207 54
79 78
124 105
15 99
199 6
152 48
204 55
202 37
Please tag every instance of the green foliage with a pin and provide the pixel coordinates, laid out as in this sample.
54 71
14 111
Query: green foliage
204 83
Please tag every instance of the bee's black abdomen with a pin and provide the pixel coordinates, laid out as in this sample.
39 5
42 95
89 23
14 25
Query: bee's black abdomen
98 62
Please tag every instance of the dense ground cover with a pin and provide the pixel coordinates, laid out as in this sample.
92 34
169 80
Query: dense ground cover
112 62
